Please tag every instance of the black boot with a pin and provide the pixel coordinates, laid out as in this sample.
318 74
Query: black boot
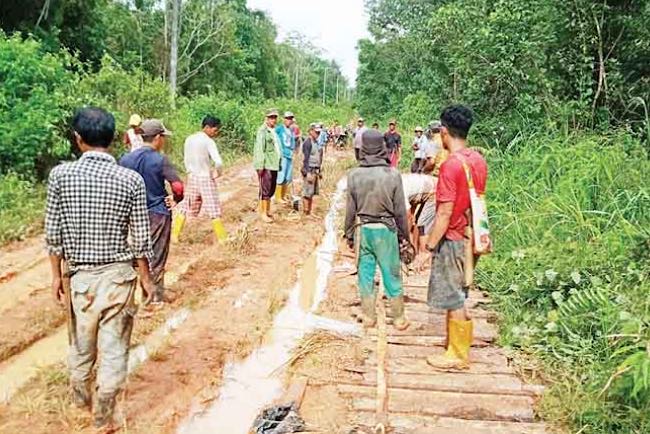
103 411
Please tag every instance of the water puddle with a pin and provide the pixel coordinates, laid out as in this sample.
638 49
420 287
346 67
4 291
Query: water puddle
255 382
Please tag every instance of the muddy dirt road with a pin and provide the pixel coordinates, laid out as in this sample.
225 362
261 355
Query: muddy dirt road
271 310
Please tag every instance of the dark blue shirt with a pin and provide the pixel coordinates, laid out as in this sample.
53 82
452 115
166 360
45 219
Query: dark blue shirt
155 169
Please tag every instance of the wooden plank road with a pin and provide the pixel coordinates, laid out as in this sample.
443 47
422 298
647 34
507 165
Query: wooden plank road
487 398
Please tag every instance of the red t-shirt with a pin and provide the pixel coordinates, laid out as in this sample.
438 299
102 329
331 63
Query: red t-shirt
452 187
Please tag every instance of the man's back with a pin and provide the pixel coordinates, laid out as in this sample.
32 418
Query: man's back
376 191
199 150
92 205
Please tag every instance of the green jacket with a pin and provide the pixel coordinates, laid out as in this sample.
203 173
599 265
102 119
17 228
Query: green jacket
266 153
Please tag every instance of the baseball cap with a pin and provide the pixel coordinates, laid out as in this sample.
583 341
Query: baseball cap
288 115
361 120
392 122
435 125
418 129
272 113
154 127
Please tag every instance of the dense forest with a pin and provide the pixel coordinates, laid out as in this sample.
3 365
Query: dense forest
561 91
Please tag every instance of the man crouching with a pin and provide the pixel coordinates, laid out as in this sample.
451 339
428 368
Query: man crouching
376 198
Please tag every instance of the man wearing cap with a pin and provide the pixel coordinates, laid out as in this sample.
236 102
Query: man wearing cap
393 141
311 166
419 147
133 137
357 133
287 145
266 161
376 198
203 165
435 154
97 222
155 169
323 137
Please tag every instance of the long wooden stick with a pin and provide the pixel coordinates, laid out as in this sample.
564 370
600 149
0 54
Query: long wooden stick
382 388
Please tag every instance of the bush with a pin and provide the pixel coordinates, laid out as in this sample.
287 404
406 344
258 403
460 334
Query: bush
571 274
34 99
22 208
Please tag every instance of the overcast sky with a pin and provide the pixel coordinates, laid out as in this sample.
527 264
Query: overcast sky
335 26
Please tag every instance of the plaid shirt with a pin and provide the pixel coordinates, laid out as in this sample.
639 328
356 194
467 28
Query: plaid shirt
92 204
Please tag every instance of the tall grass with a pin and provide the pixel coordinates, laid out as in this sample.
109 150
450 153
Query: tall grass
571 272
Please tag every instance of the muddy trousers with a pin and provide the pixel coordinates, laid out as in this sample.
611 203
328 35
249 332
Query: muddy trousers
161 228
103 309
379 247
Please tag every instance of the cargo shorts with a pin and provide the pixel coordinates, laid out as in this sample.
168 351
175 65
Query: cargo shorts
447 288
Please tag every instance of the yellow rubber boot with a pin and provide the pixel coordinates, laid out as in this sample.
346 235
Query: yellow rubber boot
177 227
456 357
284 191
278 194
219 230
265 206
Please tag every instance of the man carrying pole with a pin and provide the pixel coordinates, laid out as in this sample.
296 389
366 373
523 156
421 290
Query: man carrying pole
156 169
376 198
287 145
203 165
447 240
266 161
92 206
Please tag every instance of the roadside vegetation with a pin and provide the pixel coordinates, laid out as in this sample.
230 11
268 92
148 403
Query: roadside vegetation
561 95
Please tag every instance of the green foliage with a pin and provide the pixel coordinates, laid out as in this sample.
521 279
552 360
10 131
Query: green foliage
22 208
523 66
34 89
571 274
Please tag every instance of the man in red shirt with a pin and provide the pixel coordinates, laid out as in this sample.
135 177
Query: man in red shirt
446 242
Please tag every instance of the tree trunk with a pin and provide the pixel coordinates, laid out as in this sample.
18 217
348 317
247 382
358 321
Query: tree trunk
173 57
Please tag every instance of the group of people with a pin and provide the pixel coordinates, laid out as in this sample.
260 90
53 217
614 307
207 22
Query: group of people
273 154
436 224
109 222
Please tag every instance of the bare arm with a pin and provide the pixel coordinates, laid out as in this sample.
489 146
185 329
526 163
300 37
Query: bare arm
441 224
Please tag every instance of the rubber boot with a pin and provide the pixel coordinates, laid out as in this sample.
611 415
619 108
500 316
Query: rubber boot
397 310
103 411
369 313
177 227
456 357
219 230
264 209
81 396
278 194
284 192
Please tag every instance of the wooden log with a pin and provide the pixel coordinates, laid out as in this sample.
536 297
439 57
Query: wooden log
421 367
415 424
428 341
488 355
381 387
448 404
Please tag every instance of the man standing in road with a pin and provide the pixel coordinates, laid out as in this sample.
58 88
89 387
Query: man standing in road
376 198
155 168
393 142
420 148
266 161
203 165
287 145
358 133
311 166
447 288
92 205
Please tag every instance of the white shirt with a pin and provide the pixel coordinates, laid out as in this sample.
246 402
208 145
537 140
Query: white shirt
422 143
135 140
417 187
199 150
432 148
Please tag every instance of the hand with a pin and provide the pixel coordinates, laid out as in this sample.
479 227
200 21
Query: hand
57 290
216 173
350 244
148 289
170 202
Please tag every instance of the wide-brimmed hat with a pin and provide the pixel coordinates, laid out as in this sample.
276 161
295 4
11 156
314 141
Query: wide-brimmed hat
288 115
154 127
419 129
271 113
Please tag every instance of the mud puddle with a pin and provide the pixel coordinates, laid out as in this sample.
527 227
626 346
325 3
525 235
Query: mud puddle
255 382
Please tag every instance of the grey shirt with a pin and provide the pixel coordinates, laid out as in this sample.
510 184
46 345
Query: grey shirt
376 195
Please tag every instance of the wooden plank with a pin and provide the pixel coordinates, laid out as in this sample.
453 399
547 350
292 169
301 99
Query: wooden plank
488 355
482 329
429 315
449 404
485 335
491 384
428 341
421 367
415 424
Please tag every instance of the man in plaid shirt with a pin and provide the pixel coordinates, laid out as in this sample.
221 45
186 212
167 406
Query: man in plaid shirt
92 206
